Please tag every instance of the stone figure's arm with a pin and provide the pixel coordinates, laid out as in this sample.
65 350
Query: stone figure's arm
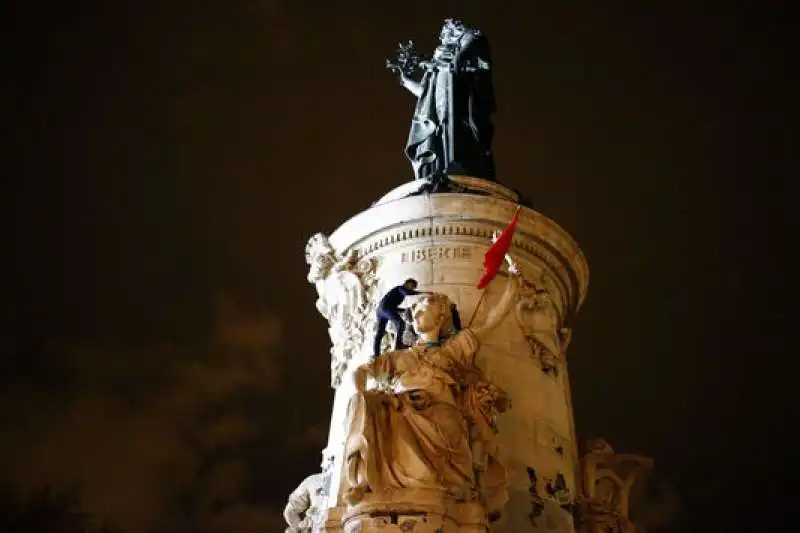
360 376
299 502
291 516
414 87
499 311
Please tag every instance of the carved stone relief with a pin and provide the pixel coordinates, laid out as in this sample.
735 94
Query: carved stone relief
345 287
540 321
607 478
302 510
384 516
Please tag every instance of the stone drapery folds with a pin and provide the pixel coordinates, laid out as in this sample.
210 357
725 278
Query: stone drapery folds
345 286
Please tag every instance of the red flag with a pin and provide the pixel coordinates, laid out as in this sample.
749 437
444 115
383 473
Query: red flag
497 252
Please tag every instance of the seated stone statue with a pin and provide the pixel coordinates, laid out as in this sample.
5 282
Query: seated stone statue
428 420
303 507
607 478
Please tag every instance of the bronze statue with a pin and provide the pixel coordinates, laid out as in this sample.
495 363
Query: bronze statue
451 130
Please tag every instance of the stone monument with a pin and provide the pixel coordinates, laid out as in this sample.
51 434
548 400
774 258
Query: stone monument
469 430
606 481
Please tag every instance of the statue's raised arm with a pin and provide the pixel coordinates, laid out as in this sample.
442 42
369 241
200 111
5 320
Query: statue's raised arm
499 311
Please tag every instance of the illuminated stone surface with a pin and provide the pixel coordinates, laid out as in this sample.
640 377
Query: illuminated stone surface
440 240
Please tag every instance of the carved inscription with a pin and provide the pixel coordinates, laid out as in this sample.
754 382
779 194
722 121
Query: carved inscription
435 253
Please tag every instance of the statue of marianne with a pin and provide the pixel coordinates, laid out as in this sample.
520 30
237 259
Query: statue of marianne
451 130
428 419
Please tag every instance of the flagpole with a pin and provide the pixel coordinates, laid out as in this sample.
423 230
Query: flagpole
478 306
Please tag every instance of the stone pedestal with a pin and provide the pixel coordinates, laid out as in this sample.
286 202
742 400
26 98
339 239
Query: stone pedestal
603 520
440 240
419 511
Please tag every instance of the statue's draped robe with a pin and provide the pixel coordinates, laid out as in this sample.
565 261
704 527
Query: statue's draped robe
467 80
416 432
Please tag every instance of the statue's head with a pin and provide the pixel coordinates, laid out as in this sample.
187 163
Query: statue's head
452 31
431 314
598 445
320 256
316 246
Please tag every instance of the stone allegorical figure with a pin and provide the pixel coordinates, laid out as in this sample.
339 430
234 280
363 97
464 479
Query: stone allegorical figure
427 421
451 129
302 509
607 478
344 286
598 453
539 320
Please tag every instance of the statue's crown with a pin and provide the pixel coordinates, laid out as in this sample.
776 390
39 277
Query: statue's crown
457 24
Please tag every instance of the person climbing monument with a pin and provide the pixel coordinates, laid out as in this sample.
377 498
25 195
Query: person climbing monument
389 311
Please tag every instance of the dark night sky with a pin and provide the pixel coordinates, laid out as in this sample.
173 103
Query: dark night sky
161 353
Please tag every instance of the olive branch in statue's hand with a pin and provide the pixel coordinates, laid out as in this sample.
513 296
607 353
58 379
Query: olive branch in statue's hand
407 60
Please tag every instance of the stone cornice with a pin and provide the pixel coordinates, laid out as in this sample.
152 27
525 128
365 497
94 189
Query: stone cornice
468 219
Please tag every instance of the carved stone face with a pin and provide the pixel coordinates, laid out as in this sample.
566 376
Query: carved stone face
320 257
429 314
318 246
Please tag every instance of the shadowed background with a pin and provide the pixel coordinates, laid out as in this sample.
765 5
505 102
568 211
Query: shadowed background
161 354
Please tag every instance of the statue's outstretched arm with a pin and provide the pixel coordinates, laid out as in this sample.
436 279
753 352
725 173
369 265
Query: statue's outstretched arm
499 311
414 87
